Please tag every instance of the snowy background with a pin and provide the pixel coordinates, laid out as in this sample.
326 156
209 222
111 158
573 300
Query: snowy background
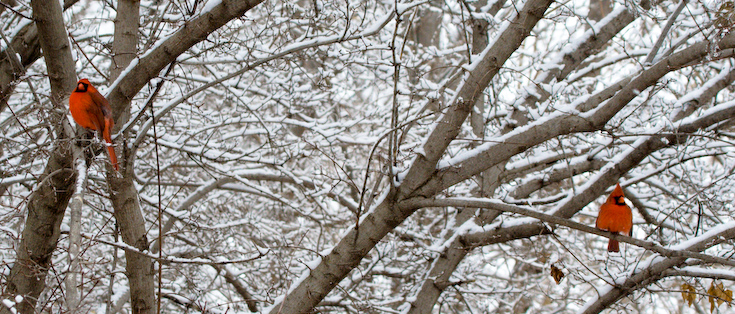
281 130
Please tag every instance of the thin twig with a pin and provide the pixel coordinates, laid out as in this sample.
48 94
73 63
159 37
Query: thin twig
665 31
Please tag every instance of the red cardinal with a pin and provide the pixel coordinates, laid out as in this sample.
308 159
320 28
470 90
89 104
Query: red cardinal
92 111
615 216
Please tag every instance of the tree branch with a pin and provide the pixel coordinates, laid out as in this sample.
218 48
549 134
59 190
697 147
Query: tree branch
48 201
356 243
601 108
471 237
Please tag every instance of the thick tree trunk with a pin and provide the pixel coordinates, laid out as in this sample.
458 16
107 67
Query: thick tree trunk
49 200
124 46
138 268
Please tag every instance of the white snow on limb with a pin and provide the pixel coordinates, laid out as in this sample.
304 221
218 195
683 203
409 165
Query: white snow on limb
420 151
82 173
715 111
620 279
709 235
697 93
710 271
11 305
533 91
131 66
469 226
210 5
403 7
608 60
16 179
305 273
550 66
313 263
277 301
465 155
367 140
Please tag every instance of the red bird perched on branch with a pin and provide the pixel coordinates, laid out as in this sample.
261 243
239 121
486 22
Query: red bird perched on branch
92 111
615 216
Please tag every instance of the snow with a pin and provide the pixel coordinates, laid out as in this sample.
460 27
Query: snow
401 8
211 4
8 303
227 110
711 234
16 179
718 110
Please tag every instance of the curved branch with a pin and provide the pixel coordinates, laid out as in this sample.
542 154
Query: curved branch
503 207
147 67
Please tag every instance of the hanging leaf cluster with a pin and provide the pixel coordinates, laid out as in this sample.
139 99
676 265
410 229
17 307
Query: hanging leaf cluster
717 294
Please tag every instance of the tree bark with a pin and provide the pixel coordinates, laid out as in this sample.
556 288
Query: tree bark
124 46
152 62
48 202
447 262
139 268
350 250
25 44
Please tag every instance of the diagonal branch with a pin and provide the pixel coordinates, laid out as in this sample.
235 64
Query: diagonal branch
330 269
656 268
483 70
561 123
148 66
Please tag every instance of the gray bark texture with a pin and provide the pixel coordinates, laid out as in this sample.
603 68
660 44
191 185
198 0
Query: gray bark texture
139 268
49 200
438 277
47 204
348 253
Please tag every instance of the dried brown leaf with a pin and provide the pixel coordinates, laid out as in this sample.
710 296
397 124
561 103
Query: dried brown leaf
718 294
688 293
556 273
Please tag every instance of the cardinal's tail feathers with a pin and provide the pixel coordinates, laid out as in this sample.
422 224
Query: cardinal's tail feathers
613 246
108 138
